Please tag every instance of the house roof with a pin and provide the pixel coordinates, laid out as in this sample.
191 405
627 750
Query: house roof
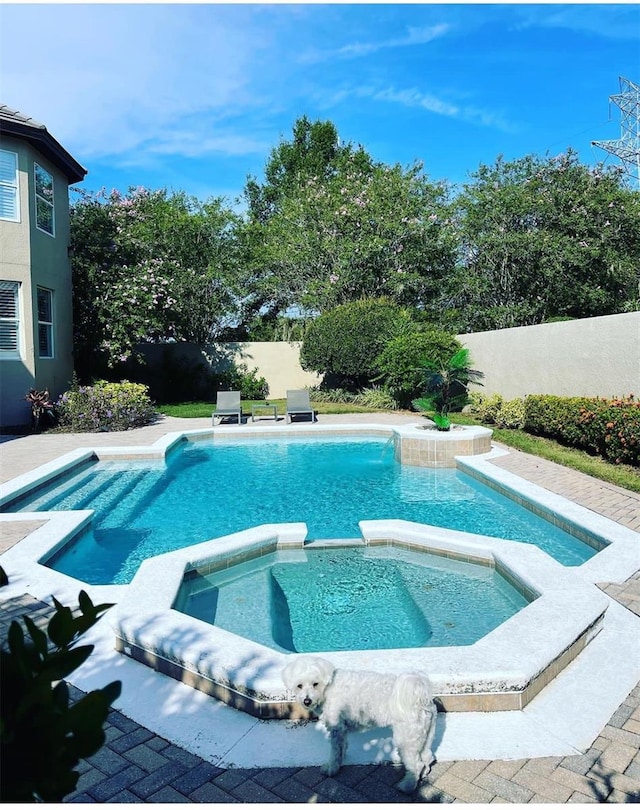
18 125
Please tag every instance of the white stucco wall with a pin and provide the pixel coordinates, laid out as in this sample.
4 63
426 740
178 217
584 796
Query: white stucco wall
587 357
279 364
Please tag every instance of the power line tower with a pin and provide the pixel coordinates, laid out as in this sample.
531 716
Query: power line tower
627 146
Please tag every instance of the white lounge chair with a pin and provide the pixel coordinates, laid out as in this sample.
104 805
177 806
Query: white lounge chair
298 404
227 405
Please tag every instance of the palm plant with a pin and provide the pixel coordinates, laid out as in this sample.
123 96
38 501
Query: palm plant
445 388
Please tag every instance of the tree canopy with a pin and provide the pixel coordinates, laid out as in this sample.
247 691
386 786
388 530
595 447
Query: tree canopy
521 242
542 238
149 266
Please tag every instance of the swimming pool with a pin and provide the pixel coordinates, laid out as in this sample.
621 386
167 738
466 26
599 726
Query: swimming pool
213 487
336 598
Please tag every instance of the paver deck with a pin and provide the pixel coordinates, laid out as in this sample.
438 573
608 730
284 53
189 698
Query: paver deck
136 765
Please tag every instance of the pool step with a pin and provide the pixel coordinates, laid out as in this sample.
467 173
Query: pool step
131 500
328 542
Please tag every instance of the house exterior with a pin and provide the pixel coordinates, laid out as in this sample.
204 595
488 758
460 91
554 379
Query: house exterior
36 324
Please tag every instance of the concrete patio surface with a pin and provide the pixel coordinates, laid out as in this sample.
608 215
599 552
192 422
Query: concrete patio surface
179 747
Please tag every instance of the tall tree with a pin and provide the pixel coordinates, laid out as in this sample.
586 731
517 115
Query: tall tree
148 266
329 225
379 233
543 238
313 155
314 152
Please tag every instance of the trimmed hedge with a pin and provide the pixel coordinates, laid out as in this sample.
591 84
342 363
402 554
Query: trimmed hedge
604 427
345 342
510 414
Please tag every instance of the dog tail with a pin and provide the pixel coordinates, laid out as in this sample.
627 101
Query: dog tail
411 694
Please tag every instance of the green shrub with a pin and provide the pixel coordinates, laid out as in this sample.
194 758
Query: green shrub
340 395
401 363
378 398
344 343
249 385
606 427
613 429
42 737
511 414
487 407
554 416
105 406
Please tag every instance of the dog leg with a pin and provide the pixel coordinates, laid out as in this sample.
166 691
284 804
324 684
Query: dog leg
415 746
427 749
414 766
338 743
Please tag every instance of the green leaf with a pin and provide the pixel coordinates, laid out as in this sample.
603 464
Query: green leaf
38 636
15 639
60 696
61 628
64 662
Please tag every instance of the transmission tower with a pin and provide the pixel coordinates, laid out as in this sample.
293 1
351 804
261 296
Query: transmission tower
627 146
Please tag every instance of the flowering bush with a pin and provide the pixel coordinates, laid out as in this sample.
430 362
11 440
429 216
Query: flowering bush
105 406
606 427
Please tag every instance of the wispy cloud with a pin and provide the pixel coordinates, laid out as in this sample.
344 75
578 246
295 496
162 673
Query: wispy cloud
414 36
412 97
107 80
621 22
194 143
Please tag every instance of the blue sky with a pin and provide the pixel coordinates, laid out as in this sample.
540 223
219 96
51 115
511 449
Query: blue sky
194 97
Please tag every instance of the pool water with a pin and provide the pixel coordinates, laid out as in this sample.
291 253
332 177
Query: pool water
351 599
208 489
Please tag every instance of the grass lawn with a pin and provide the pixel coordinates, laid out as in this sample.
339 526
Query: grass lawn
621 475
190 410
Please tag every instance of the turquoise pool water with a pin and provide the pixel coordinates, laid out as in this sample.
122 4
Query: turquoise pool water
352 599
208 489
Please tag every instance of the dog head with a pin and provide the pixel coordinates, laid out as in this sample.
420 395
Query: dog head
308 677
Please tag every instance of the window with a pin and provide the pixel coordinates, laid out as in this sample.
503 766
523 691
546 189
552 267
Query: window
45 323
44 199
9 320
9 200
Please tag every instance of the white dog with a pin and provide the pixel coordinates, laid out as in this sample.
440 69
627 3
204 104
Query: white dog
351 700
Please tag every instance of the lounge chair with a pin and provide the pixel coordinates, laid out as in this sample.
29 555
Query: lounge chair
227 405
298 403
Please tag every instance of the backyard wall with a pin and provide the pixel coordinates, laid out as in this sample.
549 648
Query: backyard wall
278 363
587 357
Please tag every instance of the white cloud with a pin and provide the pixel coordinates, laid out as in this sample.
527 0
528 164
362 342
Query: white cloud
412 97
621 22
106 79
191 143
414 36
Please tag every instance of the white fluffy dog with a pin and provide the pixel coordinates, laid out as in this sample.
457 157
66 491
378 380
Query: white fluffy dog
351 700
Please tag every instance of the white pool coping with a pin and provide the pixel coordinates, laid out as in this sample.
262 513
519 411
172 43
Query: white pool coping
563 719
